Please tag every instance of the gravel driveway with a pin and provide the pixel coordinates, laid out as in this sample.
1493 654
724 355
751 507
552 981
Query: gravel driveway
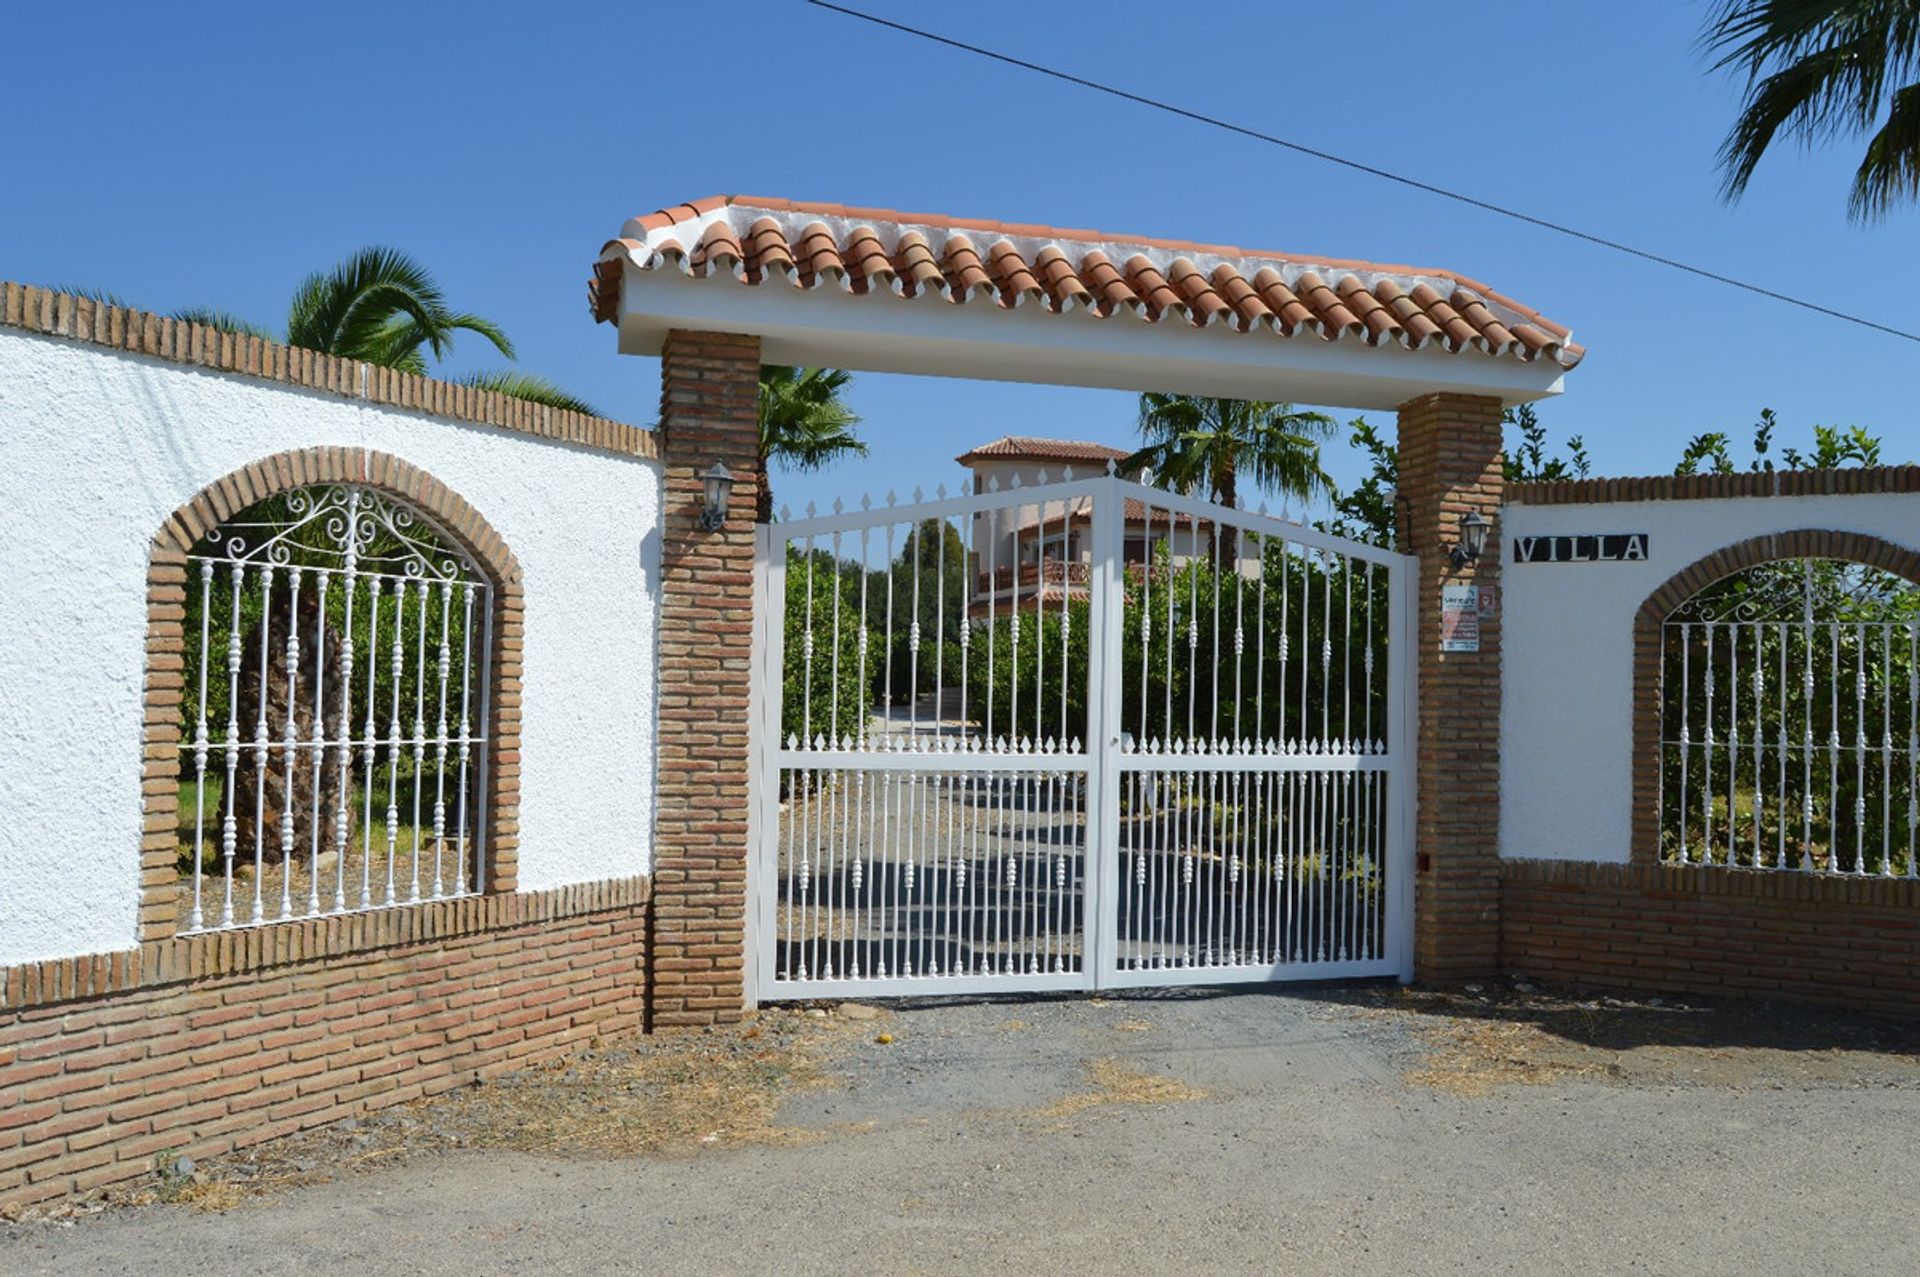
1355 1130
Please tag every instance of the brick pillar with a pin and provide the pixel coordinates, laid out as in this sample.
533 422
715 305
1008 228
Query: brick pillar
1449 448
709 387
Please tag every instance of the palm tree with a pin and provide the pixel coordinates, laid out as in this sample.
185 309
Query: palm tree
1824 69
380 306
1195 443
804 423
385 308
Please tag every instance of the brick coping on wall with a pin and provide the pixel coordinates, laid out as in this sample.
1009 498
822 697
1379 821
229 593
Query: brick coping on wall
209 955
1695 487
138 332
1717 880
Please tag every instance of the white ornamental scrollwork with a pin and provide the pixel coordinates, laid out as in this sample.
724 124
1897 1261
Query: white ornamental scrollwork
345 526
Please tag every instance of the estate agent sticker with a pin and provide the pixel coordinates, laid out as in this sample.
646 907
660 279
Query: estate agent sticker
1459 618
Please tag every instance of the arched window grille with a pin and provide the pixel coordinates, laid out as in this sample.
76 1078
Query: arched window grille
1790 721
335 712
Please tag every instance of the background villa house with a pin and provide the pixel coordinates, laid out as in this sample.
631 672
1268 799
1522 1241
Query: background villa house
1038 554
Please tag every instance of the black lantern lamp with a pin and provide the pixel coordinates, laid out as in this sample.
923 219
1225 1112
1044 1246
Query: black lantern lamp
1473 539
718 485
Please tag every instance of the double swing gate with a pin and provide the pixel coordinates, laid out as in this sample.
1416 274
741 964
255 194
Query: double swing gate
1083 734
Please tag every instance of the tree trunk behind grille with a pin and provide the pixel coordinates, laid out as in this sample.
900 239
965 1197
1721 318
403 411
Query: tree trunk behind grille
266 798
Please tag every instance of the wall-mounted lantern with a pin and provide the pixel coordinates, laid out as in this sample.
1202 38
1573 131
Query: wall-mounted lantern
718 485
1473 539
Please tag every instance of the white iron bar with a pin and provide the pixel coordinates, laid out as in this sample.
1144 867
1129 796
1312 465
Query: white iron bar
322 579
939 627
1860 751
1806 786
440 738
396 657
371 749
230 827
200 743
287 740
1733 745
1833 758
1239 639
916 536
1784 634
1039 625
833 701
1886 753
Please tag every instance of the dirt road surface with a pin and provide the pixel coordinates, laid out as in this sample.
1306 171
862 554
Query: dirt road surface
1357 1130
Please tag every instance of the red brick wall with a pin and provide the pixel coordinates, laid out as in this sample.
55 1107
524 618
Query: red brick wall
1449 448
96 1089
709 411
1698 929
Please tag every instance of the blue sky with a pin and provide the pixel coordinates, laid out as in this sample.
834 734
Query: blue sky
214 154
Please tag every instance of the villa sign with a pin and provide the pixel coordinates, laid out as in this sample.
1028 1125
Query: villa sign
1603 547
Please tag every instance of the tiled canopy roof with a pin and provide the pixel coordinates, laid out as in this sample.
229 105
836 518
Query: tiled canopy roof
1031 448
962 261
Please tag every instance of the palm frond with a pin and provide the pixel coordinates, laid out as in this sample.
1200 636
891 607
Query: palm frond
1821 70
224 320
531 387
804 422
464 322
346 310
1889 173
98 296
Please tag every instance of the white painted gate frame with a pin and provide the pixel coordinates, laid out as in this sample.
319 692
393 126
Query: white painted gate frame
1104 758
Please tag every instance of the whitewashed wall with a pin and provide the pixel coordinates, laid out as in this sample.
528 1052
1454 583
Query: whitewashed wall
1566 712
100 447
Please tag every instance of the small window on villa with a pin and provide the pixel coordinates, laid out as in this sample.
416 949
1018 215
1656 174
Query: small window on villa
335 711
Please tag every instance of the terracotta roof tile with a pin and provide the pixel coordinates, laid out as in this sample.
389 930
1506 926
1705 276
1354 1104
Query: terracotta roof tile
930 257
1032 448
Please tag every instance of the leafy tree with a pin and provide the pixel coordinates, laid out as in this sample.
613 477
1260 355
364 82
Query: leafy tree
1049 664
1834 448
1366 512
823 686
1206 445
1824 70
1528 462
926 583
805 424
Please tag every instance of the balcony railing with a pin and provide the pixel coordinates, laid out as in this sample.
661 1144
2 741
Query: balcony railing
1051 572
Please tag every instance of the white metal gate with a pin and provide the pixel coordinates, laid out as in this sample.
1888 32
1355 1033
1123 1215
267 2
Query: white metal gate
1077 735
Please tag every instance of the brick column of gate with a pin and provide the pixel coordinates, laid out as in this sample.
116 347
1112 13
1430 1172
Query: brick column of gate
709 387
1449 449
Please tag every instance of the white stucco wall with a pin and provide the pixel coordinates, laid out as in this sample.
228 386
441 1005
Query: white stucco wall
100 447
1566 715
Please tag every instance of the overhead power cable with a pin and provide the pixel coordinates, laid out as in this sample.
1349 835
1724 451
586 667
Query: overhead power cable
1329 157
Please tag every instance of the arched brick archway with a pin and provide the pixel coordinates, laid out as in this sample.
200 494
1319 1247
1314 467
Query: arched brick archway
1805 543
166 647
